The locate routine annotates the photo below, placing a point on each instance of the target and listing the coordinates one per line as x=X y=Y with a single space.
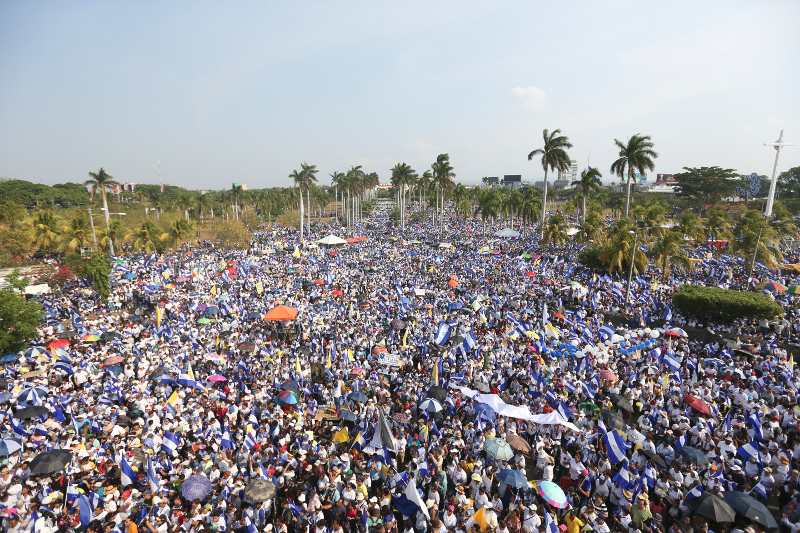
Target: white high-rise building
x=566 y=177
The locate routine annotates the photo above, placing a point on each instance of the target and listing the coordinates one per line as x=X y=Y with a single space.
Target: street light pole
x=630 y=269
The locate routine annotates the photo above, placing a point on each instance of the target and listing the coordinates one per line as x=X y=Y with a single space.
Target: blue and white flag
x=760 y=489
x=695 y=492
x=616 y=446
x=756 y=421
x=128 y=476
x=170 y=443
x=549 y=524
x=226 y=441
x=750 y=450
x=623 y=477
x=152 y=477
x=443 y=333
x=605 y=332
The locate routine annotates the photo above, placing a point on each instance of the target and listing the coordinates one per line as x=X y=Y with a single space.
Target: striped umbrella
x=499 y=449
x=430 y=405
x=287 y=397
x=770 y=286
x=552 y=494
x=794 y=289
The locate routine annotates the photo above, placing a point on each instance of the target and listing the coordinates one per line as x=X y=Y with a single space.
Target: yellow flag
x=159 y=314
x=478 y=518
x=213 y=289
x=435 y=374
x=329 y=365
x=297 y=365
x=341 y=436
x=259 y=287
x=405 y=336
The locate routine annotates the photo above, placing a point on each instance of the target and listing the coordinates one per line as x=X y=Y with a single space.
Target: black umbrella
x=713 y=507
x=108 y=335
x=30 y=412
x=260 y=490
x=613 y=420
x=693 y=455
x=657 y=459
x=437 y=393
x=350 y=416
x=749 y=507
x=134 y=318
x=157 y=373
x=621 y=401
x=291 y=386
x=226 y=333
x=70 y=334
x=398 y=324
x=50 y=461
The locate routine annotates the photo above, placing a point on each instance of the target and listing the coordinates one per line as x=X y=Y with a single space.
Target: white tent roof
x=331 y=239
x=506 y=232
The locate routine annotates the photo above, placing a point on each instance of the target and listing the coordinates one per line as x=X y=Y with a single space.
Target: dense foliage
x=36 y=194
x=724 y=303
x=94 y=268
x=19 y=317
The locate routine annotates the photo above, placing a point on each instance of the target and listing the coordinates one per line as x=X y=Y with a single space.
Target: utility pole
x=91 y=221
x=779 y=144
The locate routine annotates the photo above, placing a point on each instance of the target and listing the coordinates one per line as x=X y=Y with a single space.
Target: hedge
x=725 y=304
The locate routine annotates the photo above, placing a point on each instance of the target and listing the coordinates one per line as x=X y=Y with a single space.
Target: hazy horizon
x=245 y=91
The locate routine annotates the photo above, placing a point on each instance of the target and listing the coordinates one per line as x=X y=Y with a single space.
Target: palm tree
x=298 y=179
x=309 y=177
x=204 y=203
x=591 y=230
x=555 y=231
x=104 y=182
x=178 y=231
x=669 y=251
x=689 y=224
x=637 y=154
x=74 y=234
x=144 y=237
x=402 y=177
x=186 y=201
x=423 y=183
x=111 y=234
x=528 y=207
x=488 y=205
x=617 y=251
x=554 y=157
x=751 y=225
x=589 y=182
x=442 y=179
x=43 y=224
x=336 y=179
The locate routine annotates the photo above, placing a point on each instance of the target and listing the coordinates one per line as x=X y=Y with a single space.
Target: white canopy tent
x=331 y=240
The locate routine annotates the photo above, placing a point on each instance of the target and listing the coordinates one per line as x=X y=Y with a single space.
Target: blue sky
x=238 y=91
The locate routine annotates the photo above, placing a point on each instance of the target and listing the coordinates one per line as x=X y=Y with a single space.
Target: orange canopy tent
x=281 y=312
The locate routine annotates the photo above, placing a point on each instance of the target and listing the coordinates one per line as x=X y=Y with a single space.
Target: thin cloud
x=530 y=98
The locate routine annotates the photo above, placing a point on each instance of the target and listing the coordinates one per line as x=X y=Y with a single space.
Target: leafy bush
x=725 y=304
x=589 y=257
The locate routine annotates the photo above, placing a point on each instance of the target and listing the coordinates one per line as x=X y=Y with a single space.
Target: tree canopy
x=705 y=185
x=31 y=194
x=19 y=317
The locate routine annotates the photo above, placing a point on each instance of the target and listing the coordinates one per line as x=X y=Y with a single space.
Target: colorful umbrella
x=337 y=293
x=90 y=338
x=217 y=377
x=196 y=487
x=608 y=375
x=287 y=397
x=794 y=289
x=770 y=286
x=552 y=494
x=518 y=443
x=59 y=343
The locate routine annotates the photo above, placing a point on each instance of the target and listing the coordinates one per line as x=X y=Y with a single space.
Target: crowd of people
x=409 y=380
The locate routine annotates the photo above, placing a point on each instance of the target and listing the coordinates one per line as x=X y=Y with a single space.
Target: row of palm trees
x=49 y=234
x=636 y=154
x=439 y=180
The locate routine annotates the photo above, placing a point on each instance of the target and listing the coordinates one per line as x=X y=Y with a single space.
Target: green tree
x=442 y=179
x=103 y=182
x=96 y=269
x=403 y=177
x=11 y=211
x=528 y=207
x=617 y=251
x=19 y=317
x=636 y=154
x=44 y=225
x=669 y=251
x=690 y=225
x=589 y=183
x=753 y=230
x=554 y=157
x=718 y=224
x=112 y=234
x=705 y=185
x=74 y=235
x=488 y=206
x=179 y=231
x=144 y=237
x=788 y=183
x=555 y=231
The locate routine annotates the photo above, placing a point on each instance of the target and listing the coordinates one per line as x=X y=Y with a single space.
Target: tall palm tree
x=423 y=183
x=44 y=224
x=144 y=237
x=669 y=251
x=104 y=182
x=402 y=177
x=204 y=203
x=589 y=182
x=442 y=179
x=636 y=154
x=689 y=224
x=336 y=179
x=488 y=205
x=619 y=248
x=74 y=234
x=298 y=179
x=554 y=157
x=591 y=229
x=186 y=200
x=310 y=177
x=528 y=207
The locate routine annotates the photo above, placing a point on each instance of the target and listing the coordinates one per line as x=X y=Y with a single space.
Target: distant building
x=512 y=180
x=666 y=179
x=568 y=176
x=562 y=184
x=242 y=186
x=492 y=181
x=124 y=187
